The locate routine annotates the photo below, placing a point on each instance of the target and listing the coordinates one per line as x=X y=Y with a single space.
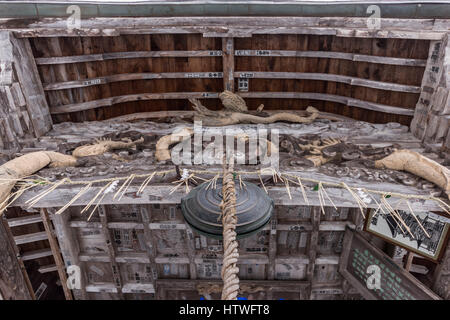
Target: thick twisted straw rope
x=229 y=221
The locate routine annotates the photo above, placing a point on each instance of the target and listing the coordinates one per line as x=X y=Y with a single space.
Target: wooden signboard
x=430 y=245
x=356 y=266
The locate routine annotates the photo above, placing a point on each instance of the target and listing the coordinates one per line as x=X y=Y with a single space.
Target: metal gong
x=201 y=209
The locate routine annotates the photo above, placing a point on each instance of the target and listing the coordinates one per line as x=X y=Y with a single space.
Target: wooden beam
x=191 y=253
x=313 y=246
x=231 y=31
x=228 y=63
x=229 y=80
x=24 y=220
x=159 y=193
x=36 y=254
x=354 y=81
x=59 y=263
x=14 y=281
x=127 y=55
x=150 y=241
x=409 y=260
x=139 y=257
x=118 y=282
x=330 y=97
x=70 y=250
x=31 y=237
x=214 y=95
x=237 y=53
x=272 y=246
x=430 y=82
x=106 y=102
x=30 y=82
x=332 y=55
x=232 y=26
x=280 y=286
x=130 y=77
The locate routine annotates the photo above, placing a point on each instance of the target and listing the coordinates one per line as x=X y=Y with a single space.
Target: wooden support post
x=441 y=276
x=228 y=64
x=272 y=247
x=28 y=76
x=14 y=281
x=70 y=250
x=313 y=244
x=191 y=253
x=56 y=253
x=430 y=122
x=150 y=242
x=111 y=252
x=409 y=260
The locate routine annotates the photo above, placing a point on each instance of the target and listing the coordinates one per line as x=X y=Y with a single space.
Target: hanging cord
x=230 y=270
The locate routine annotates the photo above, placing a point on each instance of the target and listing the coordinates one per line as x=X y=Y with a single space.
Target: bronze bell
x=201 y=209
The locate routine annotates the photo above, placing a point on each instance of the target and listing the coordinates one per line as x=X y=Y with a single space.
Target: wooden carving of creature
x=235 y=112
x=103 y=146
x=419 y=165
x=316 y=150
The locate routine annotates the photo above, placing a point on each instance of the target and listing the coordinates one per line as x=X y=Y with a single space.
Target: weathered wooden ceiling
x=96 y=78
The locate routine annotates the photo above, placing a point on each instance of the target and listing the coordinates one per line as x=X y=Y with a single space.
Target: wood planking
x=33 y=92
x=330 y=55
x=14 y=281
x=28 y=113
x=232 y=26
x=141 y=76
x=158 y=64
x=316 y=46
x=142 y=54
x=241 y=53
x=228 y=64
x=339 y=67
x=329 y=77
x=151 y=244
x=118 y=281
x=431 y=120
x=70 y=249
x=59 y=263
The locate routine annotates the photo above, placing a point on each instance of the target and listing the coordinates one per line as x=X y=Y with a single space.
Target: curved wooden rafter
x=130 y=77
x=214 y=95
x=354 y=81
x=242 y=53
x=332 y=55
x=127 y=55
x=332 y=98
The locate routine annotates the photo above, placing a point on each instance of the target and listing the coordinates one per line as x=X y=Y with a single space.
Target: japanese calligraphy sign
x=375 y=275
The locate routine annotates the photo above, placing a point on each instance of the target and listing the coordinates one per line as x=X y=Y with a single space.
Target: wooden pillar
x=441 y=277
x=150 y=242
x=432 y=114
x=14 y=281
x=272 y=247
x=118 y=282
x=228 y=64
x=313 y=245
x=56 y=253
x=24 y=113
x=70 y=250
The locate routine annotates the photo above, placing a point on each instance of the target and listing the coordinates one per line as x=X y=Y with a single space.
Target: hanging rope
x=230 y=245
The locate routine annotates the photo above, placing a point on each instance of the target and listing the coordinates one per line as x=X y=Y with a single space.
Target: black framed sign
x=361 y=261
x=427 y=236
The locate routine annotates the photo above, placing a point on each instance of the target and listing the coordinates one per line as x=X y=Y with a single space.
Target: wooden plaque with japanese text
x=395 y=282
